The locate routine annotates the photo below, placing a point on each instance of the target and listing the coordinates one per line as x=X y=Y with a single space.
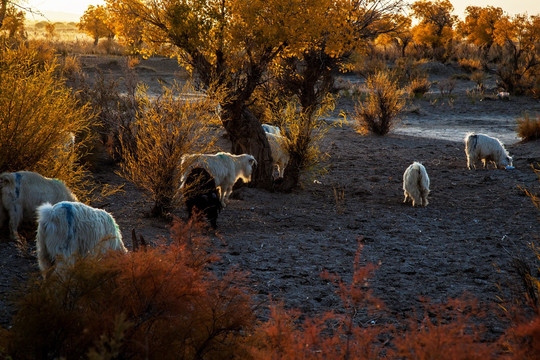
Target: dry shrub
x=418 y=87
x=37 y=114
x=304 y=133
x=165 y=129
x=114 y=103
x=384 y=104
x=528 y=128
x=522 y=339
x=447 y=86
x=447 y=331
x=479 y=77
x=470 y=65
x=367 y=65
x=331 y=335
x=161 y=303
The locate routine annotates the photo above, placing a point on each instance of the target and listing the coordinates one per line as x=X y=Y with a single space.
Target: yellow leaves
x=436 y=22
x=479 y=24
x=94 y=22
x=520 y=29
x=166 y=128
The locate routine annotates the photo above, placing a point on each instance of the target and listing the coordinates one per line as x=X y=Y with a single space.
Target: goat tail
x=45 y=213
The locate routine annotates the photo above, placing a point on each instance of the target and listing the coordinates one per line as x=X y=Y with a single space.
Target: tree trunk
x=291 y=176
x=247 y=137
x=3 y=9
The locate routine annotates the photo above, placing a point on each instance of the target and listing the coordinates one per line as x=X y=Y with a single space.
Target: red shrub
x=329 y=336
x=447 y=331
x=157 y=304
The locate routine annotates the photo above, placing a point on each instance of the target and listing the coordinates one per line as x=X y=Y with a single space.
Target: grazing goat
x=69 y=228
x=271 y=129
x=225 y=168
x=279 y=155
x=504 y=95
x=486 y=148
x=22 y=192
x=416 y=184
x=200 y=194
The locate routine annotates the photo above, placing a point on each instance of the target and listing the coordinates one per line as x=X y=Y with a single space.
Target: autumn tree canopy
x=519 y=37
x=479 y=25
x=400 y=35
x=13 y=21
x=94 y=23
x=308 y=76
x=230 y=44
x=435 y=28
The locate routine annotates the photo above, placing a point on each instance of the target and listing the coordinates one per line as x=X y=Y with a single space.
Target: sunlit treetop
x=436 y=22
x=233 y=31
x=94 y=22
x=521 y=30
x=479 y=24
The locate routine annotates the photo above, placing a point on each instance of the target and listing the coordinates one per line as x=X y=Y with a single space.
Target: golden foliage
x=418 y=87
x=166 y=128
x=528 y=128
x=384 y=103
x=479 y=24
x=519 y=37
x=94 y=22
x=436 y=22
x=305 y=133
x=13 y=22
x=470 y=65
x=38 y=114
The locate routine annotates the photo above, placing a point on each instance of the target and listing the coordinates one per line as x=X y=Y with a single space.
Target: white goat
x=22 y=192
x=224 y=167
x=485 y=148
x=271 y=129
x=416 y=184
x=280 y=156
x=69 y=228
x=504 y=95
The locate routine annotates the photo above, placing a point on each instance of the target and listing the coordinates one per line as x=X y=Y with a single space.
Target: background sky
x=73 y=9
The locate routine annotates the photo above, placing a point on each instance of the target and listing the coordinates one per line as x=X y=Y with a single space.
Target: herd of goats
x=67 y=227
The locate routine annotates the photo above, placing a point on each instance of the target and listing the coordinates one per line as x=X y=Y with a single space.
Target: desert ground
x=463 y=242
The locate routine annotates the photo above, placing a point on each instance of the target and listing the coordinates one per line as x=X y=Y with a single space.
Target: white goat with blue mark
x=69 y=228
x=22 y=192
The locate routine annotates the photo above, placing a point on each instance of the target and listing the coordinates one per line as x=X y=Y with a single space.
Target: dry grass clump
x=528 y=128
x=479 y=77
x=37 y=114
x=165 y=129
x=470 y=65
x=384 y=103
x=418 y=87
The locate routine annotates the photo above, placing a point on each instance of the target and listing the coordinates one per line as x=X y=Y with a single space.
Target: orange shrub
x=157 y=304
x=418 y=87
x=449 y=333
x=329 y=336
